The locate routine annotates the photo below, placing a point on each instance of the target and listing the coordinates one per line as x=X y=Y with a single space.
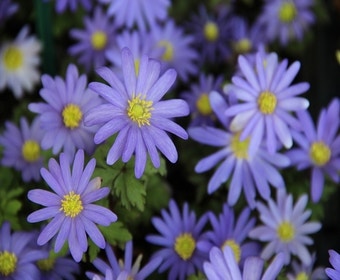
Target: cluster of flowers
x=134 y=50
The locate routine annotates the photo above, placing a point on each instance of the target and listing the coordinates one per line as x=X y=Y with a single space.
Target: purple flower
x=228 y=230
x=223 y=266
x=61 y=115
x=179 y=235
x=267 y=101
x=285 y=20
x=7 y=9
x=71 y=206
x=124 y=270
x=178 y=50
x=284 y=227
x=334 y=271
x=246 y=171
x=17 y=257
x=319 y=147
x=62 y=5
x=94 y=40
x=143 y=13
x=21 y=148
x=135 y=110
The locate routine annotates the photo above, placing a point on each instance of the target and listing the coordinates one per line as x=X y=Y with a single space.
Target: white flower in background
x=19 y=61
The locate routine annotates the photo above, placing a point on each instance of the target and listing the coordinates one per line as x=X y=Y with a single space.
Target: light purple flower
x=318 y=147
x=7 y=9
x=22 y=149
x=135 y=111
x=93 y=41
x=266 y=101
x=70 y=206
x=284 y=227
x=334 y=271
x=61 y=115
x=223 y=266
x=179 y=235
x=62 y=5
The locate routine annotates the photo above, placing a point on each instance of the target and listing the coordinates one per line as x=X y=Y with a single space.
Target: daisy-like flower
x=223 y=266
x=267 y=100
x=198 y=99
x=61 y=115
x=21 y=148
x=179 y=235
x=19 y=61
x=246 y=171
x=71 y=206
x=97 y=37
x=319 y=147
x=178 y=50
x=7 y=9
x=62 y=5
x=135 y=110
x=285 y=20
x=142 y=13
x=17 y=257
x=124 y=270
x=284 y=227
x=334 y=271
x=228 y=230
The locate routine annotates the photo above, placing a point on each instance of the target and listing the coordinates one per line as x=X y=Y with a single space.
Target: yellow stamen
x=302 y=276
x=30 y=151
x=71 y=204
x=203 y=105
x=235 y=247
x=168 y=54
x=240 y=148
x=267 y=102
x=13 y=58
x=211 y=31
x=319 y=153
x=98 y=40
x=286 y=231
x=242 y=46
x=8 y=263
x=287 y=12
x=139 y=110
x=72 y=116
x=185 y=245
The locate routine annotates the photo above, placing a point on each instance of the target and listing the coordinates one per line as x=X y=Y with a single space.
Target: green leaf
x=115 y=233
x=93 y=251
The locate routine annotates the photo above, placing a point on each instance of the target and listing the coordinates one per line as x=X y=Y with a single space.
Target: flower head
x=7 y=9
x=22 y=148
x=70 y=206
x=19 y=61
x=267 y=100
x=17 y=255
x=62 y=5
x=318 y=147
x=285 y=228
x=134 y=109
x=334 y=271
x=61 y=115
x=179 y=235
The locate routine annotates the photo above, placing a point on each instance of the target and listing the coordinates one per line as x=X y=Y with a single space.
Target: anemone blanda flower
x=318 y=147
x=17 y=255
x=62 y=5
x=246 y=171
x=178 y=49
x=179 y=234
x=135 y=110
x=61 y=115
x=142 y=13
x=222 y=265
x=229 y=230
x=93 y=41
x=285 y=20
x=211 y=31
x=21 y=148
x=70 y=206
x=7 y=9
x=334 y=271
x=19 y=61
x=267 y=100
x=126 y=269
x=285 y=228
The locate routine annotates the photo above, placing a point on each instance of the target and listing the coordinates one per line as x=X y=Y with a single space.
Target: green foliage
x=116 y=233
x=10 y=204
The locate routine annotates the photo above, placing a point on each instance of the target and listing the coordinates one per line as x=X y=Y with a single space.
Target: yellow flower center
x=72 y=115
x=211 y=31
x=319 y=153
x=302 y=276
x=46 y=264
x=71 y=204
x=267 y=102
x=286 y=231
x=242 y=46
x=13 y=58
x=8 y=263
x=139 y=110
x=168 y=54
x=287 y=12
x=203 y=105
x=98 y=40
x=235 y=247
x=185 y=245
x=30 y=151
x=239 y=148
